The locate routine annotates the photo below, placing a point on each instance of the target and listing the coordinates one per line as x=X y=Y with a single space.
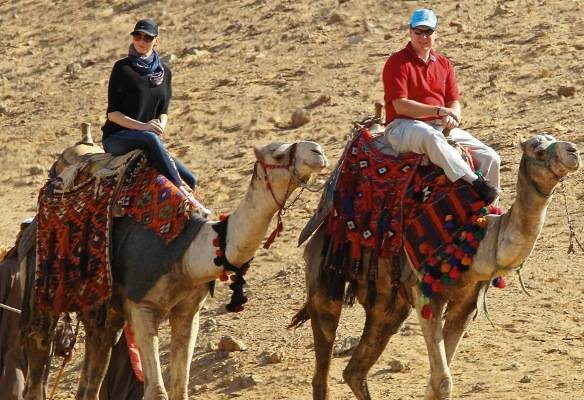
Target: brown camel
x=509 y=240
x=179 y=295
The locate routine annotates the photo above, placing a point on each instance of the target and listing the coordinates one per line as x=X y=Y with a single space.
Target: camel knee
x=354 y=378
x=155 y=393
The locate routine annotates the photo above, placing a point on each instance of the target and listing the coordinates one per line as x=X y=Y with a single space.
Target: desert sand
x=240 y=70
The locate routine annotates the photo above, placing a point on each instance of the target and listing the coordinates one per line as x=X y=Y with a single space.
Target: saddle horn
x=86 y=137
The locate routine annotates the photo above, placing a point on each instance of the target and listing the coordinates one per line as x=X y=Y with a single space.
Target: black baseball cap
x=147 y=26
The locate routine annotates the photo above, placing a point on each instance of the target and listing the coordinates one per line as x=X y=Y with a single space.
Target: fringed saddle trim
x=238 y=297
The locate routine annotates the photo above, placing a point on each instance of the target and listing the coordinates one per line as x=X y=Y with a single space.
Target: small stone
x=210 y=325
x=247 y=380
x=335 y=18
x=299 y=117
x=275 y=357
x=73 y=68
x=229 y=343
x=36 y=170
x=346 y=345
x=396 y=365
x=526 y=379
x=566 y=91
x=322 y=99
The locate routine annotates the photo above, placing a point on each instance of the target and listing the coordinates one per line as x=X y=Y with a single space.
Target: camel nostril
x=316 y=151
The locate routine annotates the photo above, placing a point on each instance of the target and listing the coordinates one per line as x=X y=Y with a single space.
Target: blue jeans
x=123 y=142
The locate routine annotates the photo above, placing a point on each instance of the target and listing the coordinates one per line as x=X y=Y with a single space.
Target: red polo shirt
x=406 y=76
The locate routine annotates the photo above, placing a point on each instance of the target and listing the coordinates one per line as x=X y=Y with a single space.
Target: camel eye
x=278 y=156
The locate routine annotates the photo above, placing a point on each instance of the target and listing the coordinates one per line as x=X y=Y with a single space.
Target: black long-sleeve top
x=132 y=94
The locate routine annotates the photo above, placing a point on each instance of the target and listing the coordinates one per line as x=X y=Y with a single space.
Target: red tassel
x=427 y=312
x=135 y=360
x=223 y=217
x=216 y=242
x=223 y=277
x=274 y=235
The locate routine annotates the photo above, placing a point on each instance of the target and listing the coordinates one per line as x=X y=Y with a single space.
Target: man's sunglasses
x=420 y=32
x=142 y=36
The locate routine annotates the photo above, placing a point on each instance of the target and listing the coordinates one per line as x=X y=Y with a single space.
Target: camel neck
x=522 y=224
x=249 y=223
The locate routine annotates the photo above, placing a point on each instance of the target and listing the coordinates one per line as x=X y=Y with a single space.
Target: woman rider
x=137 y=113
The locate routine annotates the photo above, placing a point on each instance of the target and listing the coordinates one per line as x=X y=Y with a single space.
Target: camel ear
x=258 y=154
x=522 y=142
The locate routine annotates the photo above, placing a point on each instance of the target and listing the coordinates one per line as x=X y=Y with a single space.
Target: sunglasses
x=142 y=36
x=420 y=32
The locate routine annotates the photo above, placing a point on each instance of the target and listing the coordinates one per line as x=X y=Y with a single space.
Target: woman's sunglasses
x=142 y=36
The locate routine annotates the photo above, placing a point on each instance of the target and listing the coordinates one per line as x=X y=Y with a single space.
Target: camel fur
x=179 y=294
x=509 y=240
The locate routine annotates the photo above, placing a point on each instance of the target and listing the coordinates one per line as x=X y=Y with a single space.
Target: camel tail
x=300 y=318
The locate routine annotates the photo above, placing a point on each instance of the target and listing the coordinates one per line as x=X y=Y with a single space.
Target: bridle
x=549 y=152
x=282 y=207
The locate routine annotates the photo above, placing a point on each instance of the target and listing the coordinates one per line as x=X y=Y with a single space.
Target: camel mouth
x=573 y=161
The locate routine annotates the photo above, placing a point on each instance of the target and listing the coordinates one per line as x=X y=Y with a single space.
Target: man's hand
x=450 y=117
x=155 y=126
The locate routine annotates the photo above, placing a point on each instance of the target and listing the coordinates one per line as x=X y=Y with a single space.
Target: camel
x=179 y=295
x=509 y=240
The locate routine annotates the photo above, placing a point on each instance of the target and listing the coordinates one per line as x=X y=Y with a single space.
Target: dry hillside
x=240 y=70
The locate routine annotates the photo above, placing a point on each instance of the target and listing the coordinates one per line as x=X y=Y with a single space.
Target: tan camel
x=180 y=293
x=509 y=240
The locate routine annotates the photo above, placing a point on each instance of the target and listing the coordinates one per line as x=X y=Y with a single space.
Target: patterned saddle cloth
x=386 y=203
x=73 y=271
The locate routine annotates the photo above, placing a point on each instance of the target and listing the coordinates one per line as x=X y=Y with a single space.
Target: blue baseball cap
x=424 y=17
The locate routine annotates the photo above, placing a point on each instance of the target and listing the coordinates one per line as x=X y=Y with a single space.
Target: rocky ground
x=241 y=70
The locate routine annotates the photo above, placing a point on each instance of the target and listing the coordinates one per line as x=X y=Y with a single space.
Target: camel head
x=287 y=166
x=547 y=161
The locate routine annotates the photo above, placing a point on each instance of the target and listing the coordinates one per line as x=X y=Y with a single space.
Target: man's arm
x=415 y=109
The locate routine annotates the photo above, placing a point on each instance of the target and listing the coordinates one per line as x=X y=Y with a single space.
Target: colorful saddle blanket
x=386 y=203
x=73 y=270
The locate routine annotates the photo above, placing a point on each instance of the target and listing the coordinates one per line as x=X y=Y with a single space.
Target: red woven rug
x=387 y=203
x=73 y=236
x=73 y=271
x=153 y=201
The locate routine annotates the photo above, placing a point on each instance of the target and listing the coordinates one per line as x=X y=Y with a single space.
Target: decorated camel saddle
x=382 y=202
x=85 y=190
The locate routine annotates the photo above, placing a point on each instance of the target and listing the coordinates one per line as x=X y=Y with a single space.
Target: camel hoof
x=444 y=390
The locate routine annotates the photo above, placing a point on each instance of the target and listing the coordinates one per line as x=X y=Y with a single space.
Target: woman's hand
x=155 y=126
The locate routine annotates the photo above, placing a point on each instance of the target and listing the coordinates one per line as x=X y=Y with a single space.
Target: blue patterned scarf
x=150 y=65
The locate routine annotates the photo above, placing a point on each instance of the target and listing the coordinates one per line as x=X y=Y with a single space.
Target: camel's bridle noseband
x=549 y=152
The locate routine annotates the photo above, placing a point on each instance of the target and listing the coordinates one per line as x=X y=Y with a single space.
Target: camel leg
x=184 y=323
x=380 y=325
x=145 y=322
x=37 y=346
x=99 y=341
x=458 y=317
x=324 y=317
x=440 y=384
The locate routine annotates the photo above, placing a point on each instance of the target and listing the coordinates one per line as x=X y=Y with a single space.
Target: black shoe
x=488 y=192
